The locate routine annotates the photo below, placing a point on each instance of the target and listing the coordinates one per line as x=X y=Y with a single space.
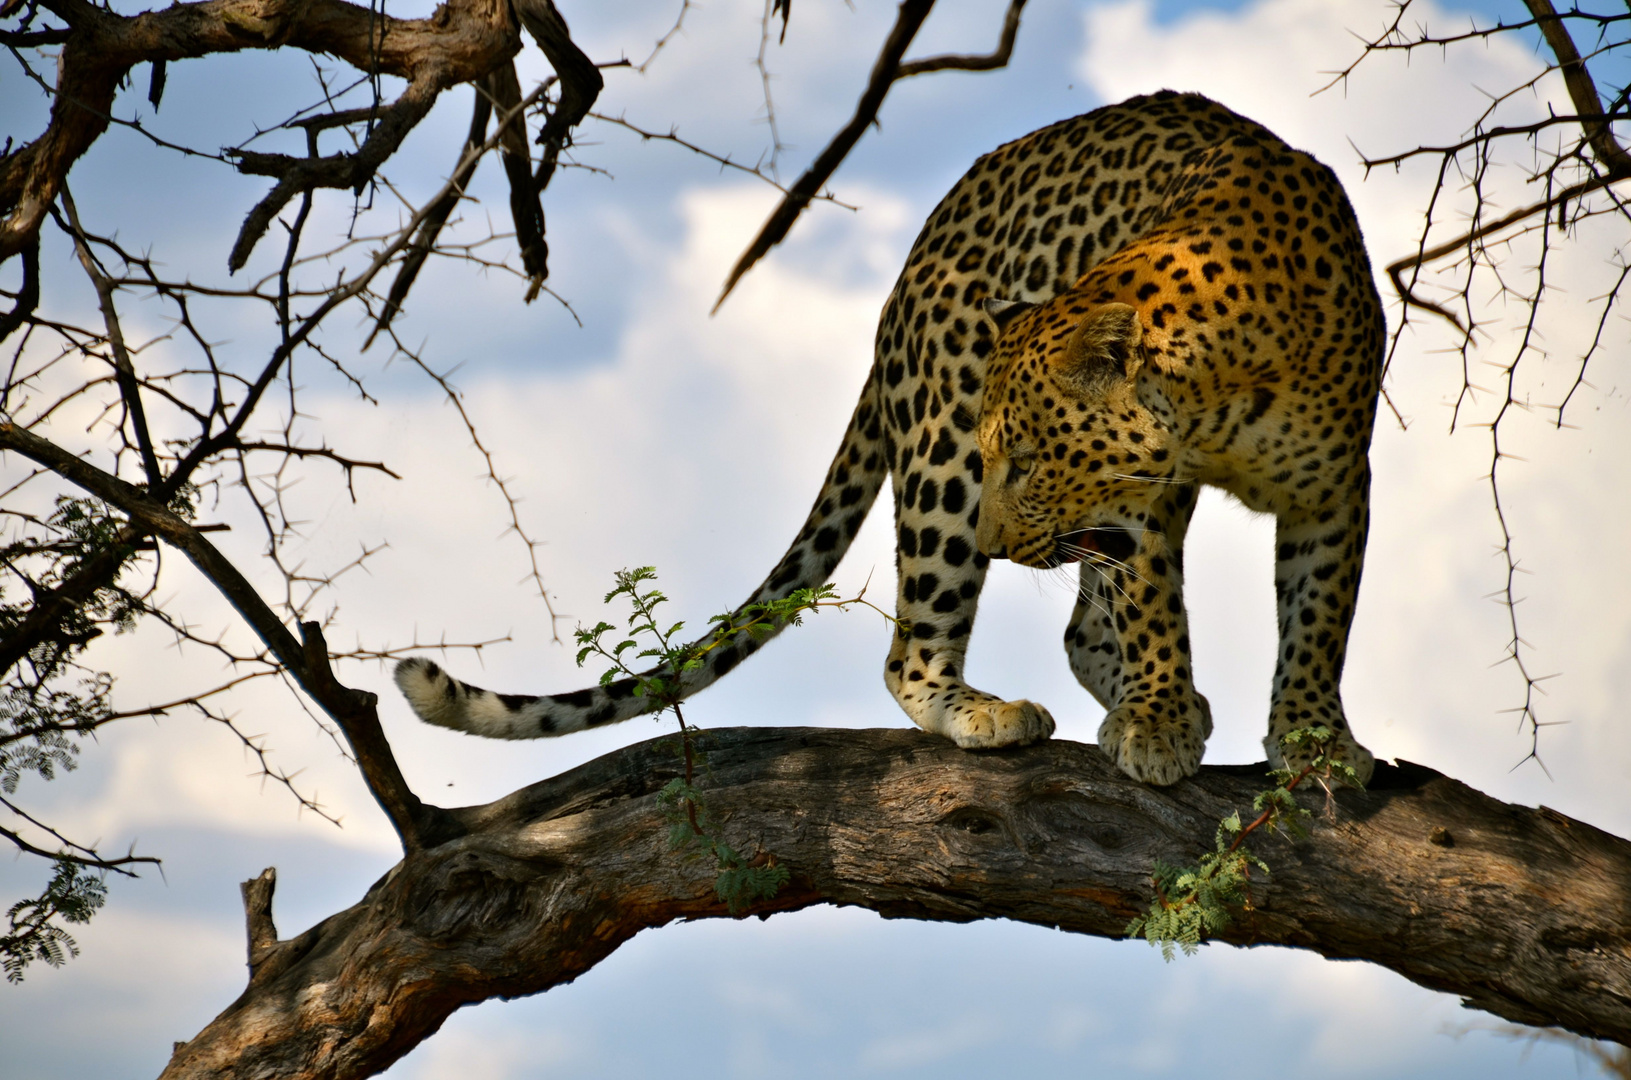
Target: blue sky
x=653 y=434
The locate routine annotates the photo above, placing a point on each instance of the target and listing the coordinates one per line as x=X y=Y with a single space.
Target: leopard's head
x=1067 y=443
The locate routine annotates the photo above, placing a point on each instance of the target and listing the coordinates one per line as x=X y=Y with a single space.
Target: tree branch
x=989 y=62
x=257 y=894
x=1425 y=255
x=438 y=212
x=28 y=295
x=886 y=71
x=1520 y=911
x=462 y=41
x=526 y=208
x=44 y=619
x=1582 y=90
x=581 y=84
x=307 y=659
x=124 y=370
x=297 y=176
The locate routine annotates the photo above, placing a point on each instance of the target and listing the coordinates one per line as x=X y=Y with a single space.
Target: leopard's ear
x=1104 y=348
x=1003 y=312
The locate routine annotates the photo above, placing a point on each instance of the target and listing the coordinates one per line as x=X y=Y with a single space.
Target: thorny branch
x=662 y=42
x=1578 y=162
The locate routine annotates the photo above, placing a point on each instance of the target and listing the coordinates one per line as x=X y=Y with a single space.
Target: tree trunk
x=1522 y=912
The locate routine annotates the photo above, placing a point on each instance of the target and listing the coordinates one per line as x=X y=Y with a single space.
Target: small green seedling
x=739 y=881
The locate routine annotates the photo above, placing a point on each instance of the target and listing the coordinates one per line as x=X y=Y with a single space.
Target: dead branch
x=679 y=24
x=989 y=62
x=581 y=83
x=298 y=176
x=262 y=931
x=124 y=371
x=348 y=464
x=512 y=504
x=526 y=208
x=1610 y=163
x=1478 y=234
x=886 y=71
x=1520 y=911
x=28 y=296
x=69 y=851
x=463 y=41
x=438 y=213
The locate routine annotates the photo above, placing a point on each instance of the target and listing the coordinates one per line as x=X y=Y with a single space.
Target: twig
x=724 y=161
x=679 y=24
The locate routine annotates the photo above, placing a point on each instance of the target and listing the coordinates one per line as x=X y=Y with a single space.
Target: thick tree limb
x=1522 y=912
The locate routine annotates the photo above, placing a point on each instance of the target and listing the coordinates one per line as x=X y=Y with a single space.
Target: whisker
x=1059 y=577
x=1154 y=479
x=1092 y=600
x=1097 y=561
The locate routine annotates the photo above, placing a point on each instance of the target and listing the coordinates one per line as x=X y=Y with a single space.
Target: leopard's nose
x=988 y=536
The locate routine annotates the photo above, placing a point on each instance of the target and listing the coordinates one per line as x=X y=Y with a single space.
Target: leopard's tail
x=853 y=481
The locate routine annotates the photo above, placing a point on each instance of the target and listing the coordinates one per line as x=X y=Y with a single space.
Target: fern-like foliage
x=72 y=896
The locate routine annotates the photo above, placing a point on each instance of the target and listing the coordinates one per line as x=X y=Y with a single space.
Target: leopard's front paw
x=1157 y=743
x=997 y=724
x=1340 y=747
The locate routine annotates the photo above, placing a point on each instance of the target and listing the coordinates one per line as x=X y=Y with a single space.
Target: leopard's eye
x=1019 y=465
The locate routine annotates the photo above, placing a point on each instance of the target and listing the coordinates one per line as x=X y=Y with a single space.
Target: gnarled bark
x=1522 y=912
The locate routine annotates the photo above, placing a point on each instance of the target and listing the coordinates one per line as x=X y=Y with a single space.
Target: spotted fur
x=1197 y=286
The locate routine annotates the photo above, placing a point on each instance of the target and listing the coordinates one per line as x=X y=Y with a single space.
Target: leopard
x=1098 y=319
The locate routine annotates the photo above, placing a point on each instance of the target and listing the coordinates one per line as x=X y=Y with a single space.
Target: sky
x=654 y=434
